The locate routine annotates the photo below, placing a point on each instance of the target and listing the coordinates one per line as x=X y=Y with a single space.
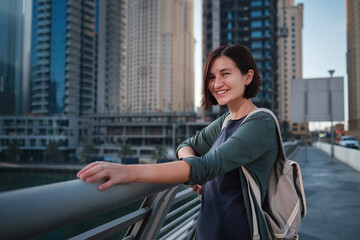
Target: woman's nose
x=218 y=82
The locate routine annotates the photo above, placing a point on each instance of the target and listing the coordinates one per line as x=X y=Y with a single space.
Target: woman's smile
x=221 y=92
x=226 y=82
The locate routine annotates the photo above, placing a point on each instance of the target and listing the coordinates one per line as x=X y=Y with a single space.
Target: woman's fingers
x=87 y=168
x=95 y=174
x=113 y=172
x=91 y=169
x=197 y=188
x=106 y=185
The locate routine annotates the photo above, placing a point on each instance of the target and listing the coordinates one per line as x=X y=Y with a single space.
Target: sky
x=323 y=41
x=324 y=44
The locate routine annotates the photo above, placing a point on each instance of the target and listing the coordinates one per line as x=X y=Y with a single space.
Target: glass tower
x=111 y=56
x=253 y=24
x=63 y=57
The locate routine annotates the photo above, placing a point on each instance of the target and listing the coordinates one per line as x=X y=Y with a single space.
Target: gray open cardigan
x=253 y=145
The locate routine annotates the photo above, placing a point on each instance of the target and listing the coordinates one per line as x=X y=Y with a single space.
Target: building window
x=256 y=34
x=256 y=44
x=256 y=3
x=229 y=26
x=255 y=24
x=267 y=23
x=229 y=15
x=256 y=13
x=257 y=54
x=229 y=36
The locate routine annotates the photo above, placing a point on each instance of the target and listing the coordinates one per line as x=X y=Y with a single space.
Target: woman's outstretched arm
x=172 y=172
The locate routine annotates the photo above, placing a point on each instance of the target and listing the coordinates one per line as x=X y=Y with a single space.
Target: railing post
x=160 y=204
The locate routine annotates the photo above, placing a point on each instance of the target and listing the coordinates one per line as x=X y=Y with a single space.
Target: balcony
x=71 y=68
x=43 y=46
x=74 y=3
x=74 y=20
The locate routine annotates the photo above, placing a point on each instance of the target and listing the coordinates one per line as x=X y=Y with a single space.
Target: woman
x=211 y=160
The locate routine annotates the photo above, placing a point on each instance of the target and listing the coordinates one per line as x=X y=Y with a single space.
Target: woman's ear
x=249 y=76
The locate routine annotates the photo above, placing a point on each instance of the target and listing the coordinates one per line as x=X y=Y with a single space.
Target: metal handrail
x=53 y=206
x=56 y=205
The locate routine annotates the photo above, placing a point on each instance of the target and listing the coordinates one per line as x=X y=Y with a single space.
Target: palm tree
x=52 y=151
x=159 y=152
x=13 y=152
x=125 y=150
x=88 y=150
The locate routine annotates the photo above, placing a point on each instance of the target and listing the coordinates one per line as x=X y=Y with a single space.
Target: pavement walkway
x=332 y=192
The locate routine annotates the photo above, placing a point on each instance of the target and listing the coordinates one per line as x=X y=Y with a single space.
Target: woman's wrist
x=131 y=172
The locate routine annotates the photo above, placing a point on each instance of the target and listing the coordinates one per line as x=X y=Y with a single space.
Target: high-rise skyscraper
x=63 y=57
x=15 y=20
x=289 y=53
x=160 y=46
x=95 y=56
x=253 y=24
x=111 y=56
x=353 y=61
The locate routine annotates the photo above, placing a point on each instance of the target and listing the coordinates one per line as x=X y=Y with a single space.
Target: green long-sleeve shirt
x=253 y=145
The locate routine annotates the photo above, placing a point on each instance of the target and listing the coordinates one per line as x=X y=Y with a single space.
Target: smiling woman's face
x=226 y=82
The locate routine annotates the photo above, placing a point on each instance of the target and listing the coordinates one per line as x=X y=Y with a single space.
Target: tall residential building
x=253 y=24
x=111 y=56
x=63 y=57
x=353 y=62
x=160 y=48
x=290 y=23
x=15 y=20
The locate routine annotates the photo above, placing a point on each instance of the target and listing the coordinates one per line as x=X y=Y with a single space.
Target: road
x=332 y=192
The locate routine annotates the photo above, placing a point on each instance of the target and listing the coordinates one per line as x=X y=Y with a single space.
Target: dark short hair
x=244 y=61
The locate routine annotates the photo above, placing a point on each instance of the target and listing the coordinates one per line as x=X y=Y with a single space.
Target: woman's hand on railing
x=198 y=189
x=115 y=173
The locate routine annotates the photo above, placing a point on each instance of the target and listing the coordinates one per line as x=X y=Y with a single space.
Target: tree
x=88 y=150
x=125 y=151
x=52 y=151
x=159 y=152
x=13 y=152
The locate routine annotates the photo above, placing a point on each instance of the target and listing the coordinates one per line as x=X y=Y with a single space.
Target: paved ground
x=332 y=192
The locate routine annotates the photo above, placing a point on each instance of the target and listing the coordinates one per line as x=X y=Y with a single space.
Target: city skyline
x=318 y=18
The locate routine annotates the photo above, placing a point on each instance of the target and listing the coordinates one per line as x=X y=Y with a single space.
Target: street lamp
x=331 y=71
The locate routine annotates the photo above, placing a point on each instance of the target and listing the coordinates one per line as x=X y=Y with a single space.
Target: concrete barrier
x=348 y=156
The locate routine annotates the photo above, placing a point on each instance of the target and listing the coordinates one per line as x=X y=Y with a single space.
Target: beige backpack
x=285 y=199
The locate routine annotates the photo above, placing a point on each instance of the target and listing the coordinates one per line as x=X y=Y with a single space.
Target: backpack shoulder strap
x=250 y=180
x=281 y=146
x=227 y=118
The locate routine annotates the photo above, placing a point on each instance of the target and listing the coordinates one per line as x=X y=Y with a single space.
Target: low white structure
x=348 y=156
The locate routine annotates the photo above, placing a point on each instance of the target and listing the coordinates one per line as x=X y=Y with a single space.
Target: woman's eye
x=211 y=77
x=226 y=73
